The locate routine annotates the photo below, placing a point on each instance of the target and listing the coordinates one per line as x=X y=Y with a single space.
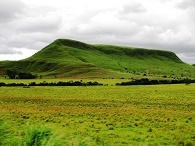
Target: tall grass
x=39 y=136
x=4 y=132
x=7 y=135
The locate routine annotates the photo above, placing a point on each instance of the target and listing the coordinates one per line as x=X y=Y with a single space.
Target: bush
x=41 y=136
x=37 y=136
x=13 y=74
x=7 y=135
x=146 y=81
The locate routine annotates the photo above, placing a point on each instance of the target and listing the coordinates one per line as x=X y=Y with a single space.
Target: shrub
x=187 y=81
x=36 y=136
x=41 y=136
x=6 y=134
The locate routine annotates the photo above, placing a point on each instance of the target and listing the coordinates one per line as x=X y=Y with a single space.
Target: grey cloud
x=38 y=19
x=190 y=55
x=187 y=57
x=163 y=1
x=5 y=50
x=9 y=9
x=186 y=4
x=46 y=24
x=132 y=8
x=33 y=41
x=33 y=29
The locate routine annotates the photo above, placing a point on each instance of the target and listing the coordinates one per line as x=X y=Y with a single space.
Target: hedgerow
x=60 y=83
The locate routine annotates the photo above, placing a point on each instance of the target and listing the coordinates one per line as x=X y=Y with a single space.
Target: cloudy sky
x=29 y=25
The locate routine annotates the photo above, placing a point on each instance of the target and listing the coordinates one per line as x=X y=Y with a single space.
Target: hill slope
x=69 y=58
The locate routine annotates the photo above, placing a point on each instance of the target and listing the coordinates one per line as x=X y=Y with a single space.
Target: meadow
x=99 y=115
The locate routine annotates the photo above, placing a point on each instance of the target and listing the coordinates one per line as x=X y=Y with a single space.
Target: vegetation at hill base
x=143 y=81
x=12 y=74
x=60 y=83
x=74 y=59
x=146 y=81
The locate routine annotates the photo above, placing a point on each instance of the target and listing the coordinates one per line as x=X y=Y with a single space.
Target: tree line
x=146 y=81
x=13 y=74
x=60 y=83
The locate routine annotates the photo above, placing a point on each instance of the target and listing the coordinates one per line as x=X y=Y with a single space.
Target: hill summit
x=75 y=59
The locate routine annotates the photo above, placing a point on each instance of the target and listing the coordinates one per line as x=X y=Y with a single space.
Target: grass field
x=102 y=115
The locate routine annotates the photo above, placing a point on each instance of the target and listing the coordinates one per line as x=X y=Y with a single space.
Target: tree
x=11 y=73
x=19 y=75
x=187 y=81
x=26 y=76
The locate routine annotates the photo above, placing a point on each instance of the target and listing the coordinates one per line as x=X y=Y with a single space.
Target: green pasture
x=100 y=115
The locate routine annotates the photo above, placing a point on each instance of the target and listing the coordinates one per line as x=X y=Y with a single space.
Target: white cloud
x=106 y=23
x=21 y=54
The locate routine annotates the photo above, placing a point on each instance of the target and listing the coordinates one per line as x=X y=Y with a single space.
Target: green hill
x=69 y=58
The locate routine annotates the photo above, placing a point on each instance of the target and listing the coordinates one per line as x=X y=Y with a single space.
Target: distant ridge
x=75 y=59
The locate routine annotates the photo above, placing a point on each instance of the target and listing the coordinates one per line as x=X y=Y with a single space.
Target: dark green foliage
x=37 y=136
x=26 y=76
x=11 y=73
x=74 y=44
x=188 y=81
x=19 y=75
x=146 y=81
x=2 y=84
x=138 y=52
x=4 y=132
x=60 y=83
x=7 y=137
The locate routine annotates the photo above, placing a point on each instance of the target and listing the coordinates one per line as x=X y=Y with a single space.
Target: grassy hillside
x=69 y=58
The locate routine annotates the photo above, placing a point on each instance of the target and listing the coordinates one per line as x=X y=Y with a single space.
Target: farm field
x=102 y=115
